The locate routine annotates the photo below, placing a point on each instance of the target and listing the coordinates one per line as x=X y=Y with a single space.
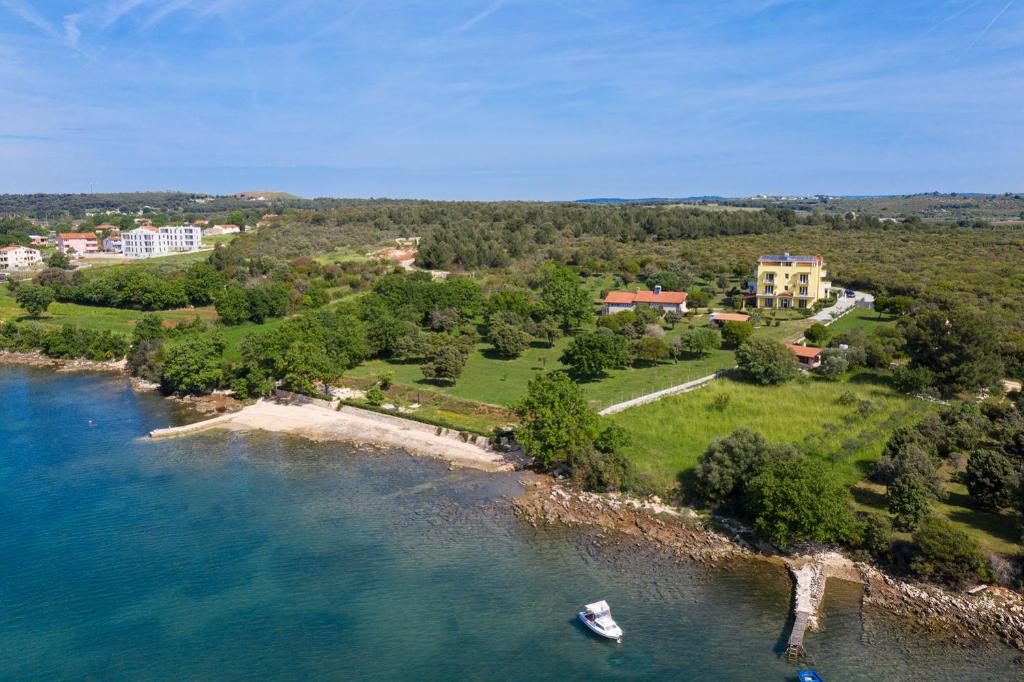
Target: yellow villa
x=791 y=281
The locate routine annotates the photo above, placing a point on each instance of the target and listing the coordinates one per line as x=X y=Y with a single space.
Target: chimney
x=657 y=289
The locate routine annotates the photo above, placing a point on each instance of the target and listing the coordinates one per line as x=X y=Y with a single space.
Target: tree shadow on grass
x=999 y=526
x=869 y=498
x=870 y=379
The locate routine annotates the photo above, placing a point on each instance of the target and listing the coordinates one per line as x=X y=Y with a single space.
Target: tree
x=590 y=354
x=445 y=363
x=202 y=283
x=992 y=480
x=833 y=364
x=33 y=298
x=700 y=340
x=563 y=298
x=728 y=464
x=735 y=333
x=546 y=330
x=796 y=499
x=909 y=501
x=507 y=337
x=894 y=305
x=304 y=365
x=944 y=554
x=673 y=317
x=767 y=361
x=817 y=334
x=909 y=453
x=58 y=259
x=959 y=346
x=875 y=534
x=698 y=298
x=649 y=350
x=232 y=306
x=194 y=364
x=554 y=419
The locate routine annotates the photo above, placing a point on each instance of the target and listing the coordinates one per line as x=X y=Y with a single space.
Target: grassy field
x=94 y=317
x=994 y=532
x=863 y=318
x=669 y=435
x=490 y=379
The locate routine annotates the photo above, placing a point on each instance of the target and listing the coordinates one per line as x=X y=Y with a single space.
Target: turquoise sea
x=257 y=557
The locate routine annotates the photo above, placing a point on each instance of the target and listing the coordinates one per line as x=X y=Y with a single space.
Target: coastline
x=958 y=618
x=319 y=422
x=37 y=359
x=961 y=619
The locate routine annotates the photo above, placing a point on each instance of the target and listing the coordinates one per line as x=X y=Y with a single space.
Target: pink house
x=78 y=243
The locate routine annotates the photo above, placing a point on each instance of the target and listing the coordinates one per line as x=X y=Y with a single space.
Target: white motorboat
x=598 y=617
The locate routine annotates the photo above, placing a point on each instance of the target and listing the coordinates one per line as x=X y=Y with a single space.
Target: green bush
x=944 y=554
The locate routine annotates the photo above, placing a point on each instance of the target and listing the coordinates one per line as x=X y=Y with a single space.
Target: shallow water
x=233 y=556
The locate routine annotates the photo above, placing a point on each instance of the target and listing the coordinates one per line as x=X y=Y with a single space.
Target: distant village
x=112 y=242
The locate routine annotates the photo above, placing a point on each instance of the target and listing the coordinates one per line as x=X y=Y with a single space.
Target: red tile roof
x=731 y=317
x=77 y=235
x=622 y=297
x=12 y=247
x=664 y=297
x=804 y=351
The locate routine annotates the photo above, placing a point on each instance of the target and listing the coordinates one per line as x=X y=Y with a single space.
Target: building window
x=801 y=304
x=768 y=303
x=770 y=278
x=803 y=291
x=769 y=289
x=803 y=279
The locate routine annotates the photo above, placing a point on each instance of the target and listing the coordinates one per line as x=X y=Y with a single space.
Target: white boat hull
x=614 y=632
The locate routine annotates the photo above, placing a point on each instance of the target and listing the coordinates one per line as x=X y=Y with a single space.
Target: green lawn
x=94 y=317
x=861 y=318
x=669 y=435
x=994 y=532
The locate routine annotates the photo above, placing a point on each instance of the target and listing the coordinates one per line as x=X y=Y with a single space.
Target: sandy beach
x=351 y=425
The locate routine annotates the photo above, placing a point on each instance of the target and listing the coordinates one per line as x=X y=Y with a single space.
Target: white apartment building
x=146 y=242
x=15 y=257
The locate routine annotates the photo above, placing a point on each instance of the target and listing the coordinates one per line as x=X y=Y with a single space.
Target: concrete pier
x=811 y=574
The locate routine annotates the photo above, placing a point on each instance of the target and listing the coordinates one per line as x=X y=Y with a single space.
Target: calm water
x=242 y=557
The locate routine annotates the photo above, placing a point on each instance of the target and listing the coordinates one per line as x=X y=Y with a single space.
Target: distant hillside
x=78 y=205
x=932 y=207
x=650 y=200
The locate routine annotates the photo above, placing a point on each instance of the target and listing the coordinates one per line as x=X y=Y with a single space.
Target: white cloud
x=28 y=14
x=71 y=31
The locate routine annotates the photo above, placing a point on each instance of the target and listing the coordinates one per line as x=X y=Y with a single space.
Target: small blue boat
x=809 y=676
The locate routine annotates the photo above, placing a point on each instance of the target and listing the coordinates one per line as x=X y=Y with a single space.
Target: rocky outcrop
x=680 y=532
x=960 y=617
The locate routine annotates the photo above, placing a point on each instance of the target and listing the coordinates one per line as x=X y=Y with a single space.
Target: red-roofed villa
x=617 y=301
x=809 y=357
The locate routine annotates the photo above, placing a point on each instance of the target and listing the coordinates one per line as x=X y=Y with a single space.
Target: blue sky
x=487 y=99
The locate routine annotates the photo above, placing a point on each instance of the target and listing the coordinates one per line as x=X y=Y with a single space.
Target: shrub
x=735 y=333
x=992 y=480
x=767 y=361
x=375 y=396
x=909 y=501
x=944 y=554
x=822 y=513
x=728 y=464
x=591 y=354
x=817 y=334
x=833 y=364
x=875 y=535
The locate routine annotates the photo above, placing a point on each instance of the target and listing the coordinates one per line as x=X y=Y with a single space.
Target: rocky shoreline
x=955 y=618
x=36 y=359
x=215 y=403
